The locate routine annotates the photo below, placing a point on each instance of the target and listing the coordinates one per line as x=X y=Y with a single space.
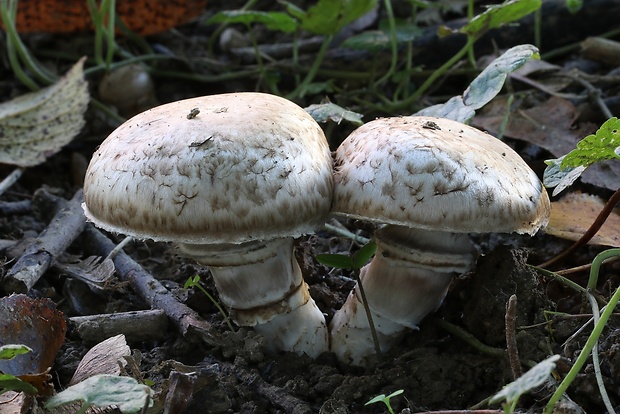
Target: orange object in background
x=144 y=17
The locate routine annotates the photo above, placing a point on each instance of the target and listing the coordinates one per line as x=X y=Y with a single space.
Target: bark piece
x=136 y=326
x=43 y=252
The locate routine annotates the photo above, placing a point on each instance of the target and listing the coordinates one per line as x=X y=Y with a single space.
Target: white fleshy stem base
x=262 y=286
x=302 y=330
x=406 y=280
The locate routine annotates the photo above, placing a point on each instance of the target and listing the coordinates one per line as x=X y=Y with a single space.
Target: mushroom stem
x=407 y=279
x=262 y=286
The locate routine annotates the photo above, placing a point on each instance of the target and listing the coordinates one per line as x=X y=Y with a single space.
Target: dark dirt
x=437 y=368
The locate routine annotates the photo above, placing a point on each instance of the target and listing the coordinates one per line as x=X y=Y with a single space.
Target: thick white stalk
x=262 y=286
x=406 y=280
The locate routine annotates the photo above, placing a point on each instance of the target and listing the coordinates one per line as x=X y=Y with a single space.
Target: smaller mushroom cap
x=436 y=174
x=227 y=168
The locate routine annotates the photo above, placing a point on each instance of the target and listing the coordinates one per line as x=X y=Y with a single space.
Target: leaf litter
x=37 y=125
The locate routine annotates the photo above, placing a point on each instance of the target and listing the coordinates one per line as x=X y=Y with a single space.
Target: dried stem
x=511 y=337
x=587 y=236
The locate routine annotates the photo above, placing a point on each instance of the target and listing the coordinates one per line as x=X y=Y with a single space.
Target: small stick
x=10 y=179
x=511 y=337
x=469 y=338
x=16 y=207
x=371 y=323
x=279 y=397
x=65 y=227
x=137 y=326
x=187 y=321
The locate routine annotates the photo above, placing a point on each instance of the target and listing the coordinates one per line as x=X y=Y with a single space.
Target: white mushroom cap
x=216 y=169
x=436 y=174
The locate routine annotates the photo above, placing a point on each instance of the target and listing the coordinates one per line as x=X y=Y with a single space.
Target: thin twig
x=43 y=252
x=342 y=231
x=119 y=247
x=587 y=236
x=10 y=179
x=373 y=331
x=188 y=322
x=511 y=337
x=469 y=338
x=593 y=92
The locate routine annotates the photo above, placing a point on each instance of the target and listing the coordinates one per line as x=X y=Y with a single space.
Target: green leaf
x=370 y=40
x=331 y=112
x=272 y=20
x=191 y=282
x=11 y=351
x=498 y=15
x=377 y=40
x=574 y=6
x=378 y=398
x=405 y=30
x=601 y=146
x=560 y=178
x=363 y=255
x=105 y=390
x=294 y=10
x=528 y=381
x=491 y=80
x=12 y=383
x=484 y=87
x=339 y=261
x=327 y=17
x=385 y=400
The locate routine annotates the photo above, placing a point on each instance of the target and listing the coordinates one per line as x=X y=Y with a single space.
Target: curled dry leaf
x=35 y=323
x=574 y=214
x=37 y=125
x=104 y=358
x=95 y=271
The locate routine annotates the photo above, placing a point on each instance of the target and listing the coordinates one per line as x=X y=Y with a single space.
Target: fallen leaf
x=535 y=377
x=37 y=125
x=35 y=323
x=104 y=390
x=550 y=126
x=573 y=215
x=484 y=87
x=328 y=111
x=103 y=358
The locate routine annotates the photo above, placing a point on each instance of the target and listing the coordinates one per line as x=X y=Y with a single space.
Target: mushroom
x=231 y=179
x=430 y=181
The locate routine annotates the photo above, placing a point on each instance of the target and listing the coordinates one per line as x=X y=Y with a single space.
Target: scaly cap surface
x=436 y=174
x=248 y=166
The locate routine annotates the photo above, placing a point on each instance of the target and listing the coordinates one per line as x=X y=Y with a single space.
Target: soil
x=437 y=367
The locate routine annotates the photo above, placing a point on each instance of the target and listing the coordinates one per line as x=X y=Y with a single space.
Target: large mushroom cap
x=216 y=169
x=436 y=174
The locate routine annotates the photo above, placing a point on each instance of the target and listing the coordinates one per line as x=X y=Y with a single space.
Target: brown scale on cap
x=451 y=177
x=247 y=167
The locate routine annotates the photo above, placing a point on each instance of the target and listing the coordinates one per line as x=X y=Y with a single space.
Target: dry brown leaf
x=37 y=125
x=35 y=323
x=573 y=214
x=103 y=358
x=550 y=126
